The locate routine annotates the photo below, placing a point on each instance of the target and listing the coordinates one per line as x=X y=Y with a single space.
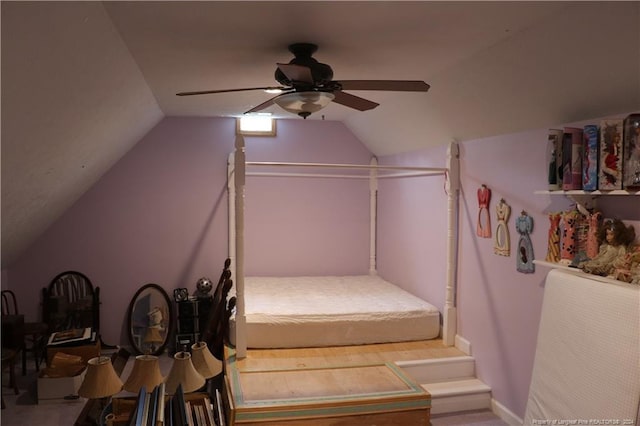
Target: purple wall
x=160 y=215
x=498 y=307
x=306 y=226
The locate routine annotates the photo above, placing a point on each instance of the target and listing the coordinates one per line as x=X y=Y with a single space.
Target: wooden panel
x=320 y=383
x=413 y=418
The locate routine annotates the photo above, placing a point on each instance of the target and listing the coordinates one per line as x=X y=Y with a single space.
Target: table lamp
x=101 y=380
x=145 y=372
x=204 y=362
x=183 y=372
x=153 y=338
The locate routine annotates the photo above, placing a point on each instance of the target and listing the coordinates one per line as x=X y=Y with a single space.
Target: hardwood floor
x=277 y=359
x=346 y=384
x=23 y=409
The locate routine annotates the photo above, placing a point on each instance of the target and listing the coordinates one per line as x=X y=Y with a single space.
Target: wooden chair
x=71 y=301
x=33 y=334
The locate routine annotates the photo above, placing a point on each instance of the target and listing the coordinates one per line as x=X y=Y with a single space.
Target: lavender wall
x=160 y=215
x=306 y=226
x=498 y=307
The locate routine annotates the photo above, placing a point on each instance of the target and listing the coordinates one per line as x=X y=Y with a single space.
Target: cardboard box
x=85 y=351
x=50 y=388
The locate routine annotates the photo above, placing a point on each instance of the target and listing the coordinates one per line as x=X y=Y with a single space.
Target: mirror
x=150 y=319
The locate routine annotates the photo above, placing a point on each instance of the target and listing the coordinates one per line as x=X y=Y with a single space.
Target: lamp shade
x=101 y=380
x=203 y=361
x=183 y=372
x=145 y=372
x=304 y=103
x=152 y=335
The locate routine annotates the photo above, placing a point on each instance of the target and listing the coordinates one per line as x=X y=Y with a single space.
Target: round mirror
x=150 y=319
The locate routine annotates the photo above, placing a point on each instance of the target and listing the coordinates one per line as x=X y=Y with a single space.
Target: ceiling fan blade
x=352 y=101
x=262 y=106
x=390 y=85
x=206 y=92
x=298 y=73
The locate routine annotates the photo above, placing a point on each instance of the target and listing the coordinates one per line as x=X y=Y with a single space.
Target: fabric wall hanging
x=553 y=245
x=501 y=242
x=483 y=228
x=524 y=259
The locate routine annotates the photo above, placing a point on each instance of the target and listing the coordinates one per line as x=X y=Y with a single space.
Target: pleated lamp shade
x=183 y=372
x=145 y=372
x=204 y=362
x=101 y=380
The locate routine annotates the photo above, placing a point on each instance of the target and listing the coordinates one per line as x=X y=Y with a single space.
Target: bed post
x=231 y=193
x=239 y=181
x=373 y=217
x=449 y=322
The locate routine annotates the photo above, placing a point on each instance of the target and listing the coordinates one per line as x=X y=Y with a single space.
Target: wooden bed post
x=231 y=193
x=449 y=320
x=239 y=181
x=373 y=217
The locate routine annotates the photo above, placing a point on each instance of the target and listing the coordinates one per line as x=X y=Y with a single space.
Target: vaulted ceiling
x=82 y=82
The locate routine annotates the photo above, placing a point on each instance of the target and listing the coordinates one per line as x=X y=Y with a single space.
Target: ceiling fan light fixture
x=304 y=103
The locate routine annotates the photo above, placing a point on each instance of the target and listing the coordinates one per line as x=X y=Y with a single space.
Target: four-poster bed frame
x=237 y=172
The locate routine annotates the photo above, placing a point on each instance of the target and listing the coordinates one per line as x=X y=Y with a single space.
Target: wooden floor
x=333 y=385
x=277 y=359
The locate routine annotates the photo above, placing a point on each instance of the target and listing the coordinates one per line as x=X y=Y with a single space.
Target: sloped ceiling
x=83 y=81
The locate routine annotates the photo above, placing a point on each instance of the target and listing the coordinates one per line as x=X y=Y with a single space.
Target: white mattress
x=587 y=361
x=288 y=312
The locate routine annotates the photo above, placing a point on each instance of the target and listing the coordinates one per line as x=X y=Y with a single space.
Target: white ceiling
x=83 y=81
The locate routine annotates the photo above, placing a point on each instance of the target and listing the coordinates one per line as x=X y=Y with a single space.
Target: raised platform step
x=458 y=395
x=440 y=369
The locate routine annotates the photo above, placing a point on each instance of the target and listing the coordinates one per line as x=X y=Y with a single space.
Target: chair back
x=71 y=301
x=9 y=303
x=12 y=322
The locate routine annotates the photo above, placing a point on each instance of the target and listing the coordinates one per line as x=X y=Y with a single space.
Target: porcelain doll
x=615 y=237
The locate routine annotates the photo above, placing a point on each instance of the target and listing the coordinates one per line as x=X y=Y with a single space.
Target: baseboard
x=505 y=414
x=463 y=344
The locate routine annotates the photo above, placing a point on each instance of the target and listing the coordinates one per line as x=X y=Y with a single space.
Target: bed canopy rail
x=236 y=178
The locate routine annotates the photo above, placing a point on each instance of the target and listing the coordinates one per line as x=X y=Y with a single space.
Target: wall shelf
x=578 y=272
x=589 y=193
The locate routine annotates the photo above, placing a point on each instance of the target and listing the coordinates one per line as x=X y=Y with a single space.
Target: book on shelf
x=71 y=337
x=572 y=158
x=610 y=174
x=590 y=158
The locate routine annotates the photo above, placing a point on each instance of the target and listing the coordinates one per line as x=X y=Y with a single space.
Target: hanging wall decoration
x=569 y=250
x=594 y=224
x=501 y=242
x=483 y=228
x=524 y=258
x=553 y=245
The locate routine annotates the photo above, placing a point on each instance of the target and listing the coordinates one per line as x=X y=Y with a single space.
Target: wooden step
x=458 y=395
x=439 y=369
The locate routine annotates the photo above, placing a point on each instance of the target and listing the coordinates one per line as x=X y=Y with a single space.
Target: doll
x=627 y=267
x=614 y=236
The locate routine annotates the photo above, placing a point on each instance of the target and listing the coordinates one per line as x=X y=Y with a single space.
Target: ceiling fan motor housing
x=321 y=73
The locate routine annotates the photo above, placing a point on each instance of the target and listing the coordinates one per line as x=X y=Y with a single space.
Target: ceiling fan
x=307 y=86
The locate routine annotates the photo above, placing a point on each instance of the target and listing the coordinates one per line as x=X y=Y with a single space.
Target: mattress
x=293 y=312
x=587 y=354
